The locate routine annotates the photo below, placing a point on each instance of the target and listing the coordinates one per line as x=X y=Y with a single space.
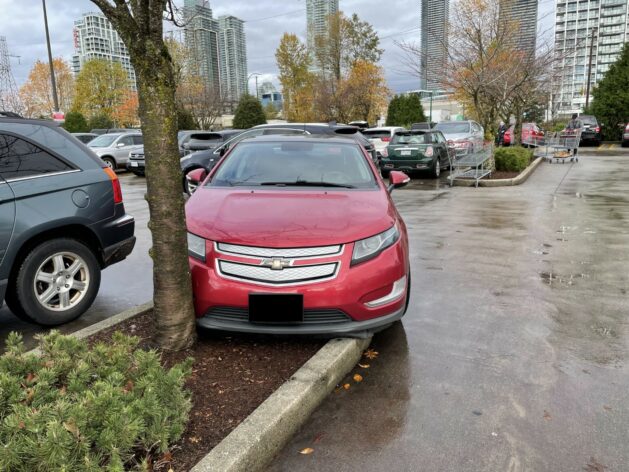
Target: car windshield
x=295 y=164
x=376 y=133
x=104 y=140
x=409 y=138
x=453 y=128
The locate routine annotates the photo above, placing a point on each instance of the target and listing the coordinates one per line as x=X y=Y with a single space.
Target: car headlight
x=196 y=247
x=369 y=248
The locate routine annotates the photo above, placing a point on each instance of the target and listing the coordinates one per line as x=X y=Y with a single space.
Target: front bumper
x=338 y=304
x=136 y=166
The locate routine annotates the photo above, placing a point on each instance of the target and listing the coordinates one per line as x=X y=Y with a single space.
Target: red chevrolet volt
x=297 y=235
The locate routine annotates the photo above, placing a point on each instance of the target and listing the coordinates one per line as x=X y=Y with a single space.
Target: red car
x=297 y=235
x=532 y=135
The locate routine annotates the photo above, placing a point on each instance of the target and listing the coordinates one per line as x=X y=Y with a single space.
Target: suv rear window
x=411 y=138
x=588 y=120
x=377 y=134
x=20 y=159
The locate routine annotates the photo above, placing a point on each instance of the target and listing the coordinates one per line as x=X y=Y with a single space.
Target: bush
x=100 y=121
x=249 y=113
x=512 y=159
x=79 y=408
x=75 y=123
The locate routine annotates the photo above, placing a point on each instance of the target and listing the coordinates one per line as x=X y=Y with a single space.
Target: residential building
x=434 y=42
x=95 y=38
x=596 y=26
x=317 y=14
x=521 y=16
x=233 y=57
x=269 y=94
x=201 y=36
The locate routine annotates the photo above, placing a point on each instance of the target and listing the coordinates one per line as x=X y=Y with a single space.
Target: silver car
x=115 y=148
x=465 y=136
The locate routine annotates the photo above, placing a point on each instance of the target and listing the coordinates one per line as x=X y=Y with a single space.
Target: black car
x=590 y=130
x=85 y=137
x=62 y=221
x=136 y=163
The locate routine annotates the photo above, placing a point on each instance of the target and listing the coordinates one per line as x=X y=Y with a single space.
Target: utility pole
x=53 y=82
x=587 y=89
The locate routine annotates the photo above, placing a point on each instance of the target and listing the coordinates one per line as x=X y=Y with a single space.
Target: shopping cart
x=563 y=146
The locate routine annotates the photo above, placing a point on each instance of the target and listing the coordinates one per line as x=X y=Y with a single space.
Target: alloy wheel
x=61 y=281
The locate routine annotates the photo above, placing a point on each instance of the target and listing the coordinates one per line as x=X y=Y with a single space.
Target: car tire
x=408 y=294
x=186 y=189
x=110 y=161
x=436 y=169
x=41 y=271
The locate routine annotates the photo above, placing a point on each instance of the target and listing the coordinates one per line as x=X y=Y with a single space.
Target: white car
x=381 y=137
x=114 y=148
x=467 y=137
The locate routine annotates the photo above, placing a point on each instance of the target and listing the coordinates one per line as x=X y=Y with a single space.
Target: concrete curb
x=255 y=442
x=517 y=180
x=108 y=323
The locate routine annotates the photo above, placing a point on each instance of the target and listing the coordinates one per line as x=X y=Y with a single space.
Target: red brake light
x=386 y=139
x=115 y=184
x=598 y=129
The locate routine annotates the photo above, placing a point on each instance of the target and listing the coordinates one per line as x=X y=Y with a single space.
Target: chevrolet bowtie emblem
x=276 y=263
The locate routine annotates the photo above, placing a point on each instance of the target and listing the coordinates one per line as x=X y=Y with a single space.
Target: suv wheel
x=57 y=282
x=111 y=163
x=187 y=186
x=436 y=169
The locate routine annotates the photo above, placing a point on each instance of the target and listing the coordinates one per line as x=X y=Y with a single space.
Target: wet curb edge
x=517 y=180
x=263 y=434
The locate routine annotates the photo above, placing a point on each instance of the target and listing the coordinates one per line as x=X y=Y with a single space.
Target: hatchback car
x=297 y=235
x=114 y=148
x=590 y=130
x=417 y=150
x=466 y=137
x=381 y=137
x=62 y=220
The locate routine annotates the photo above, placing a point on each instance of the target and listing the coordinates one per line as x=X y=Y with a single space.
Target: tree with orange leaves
x=126 y=114
x=36 y=93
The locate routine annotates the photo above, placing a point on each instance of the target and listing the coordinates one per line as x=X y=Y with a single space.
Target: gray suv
x=114 y=148
x=62 y=220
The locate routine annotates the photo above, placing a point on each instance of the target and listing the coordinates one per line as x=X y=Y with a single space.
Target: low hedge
x=512 y=159
x=109 y=407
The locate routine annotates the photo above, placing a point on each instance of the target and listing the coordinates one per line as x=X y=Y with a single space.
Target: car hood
x=457 y=136
x=288 y=218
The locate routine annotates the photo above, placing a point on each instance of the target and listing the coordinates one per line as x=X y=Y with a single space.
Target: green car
x=416 y=150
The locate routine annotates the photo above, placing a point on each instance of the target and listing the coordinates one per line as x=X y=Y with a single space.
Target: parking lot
x=513 y=355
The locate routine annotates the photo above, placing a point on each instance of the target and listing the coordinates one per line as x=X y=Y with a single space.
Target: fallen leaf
x=547 y=415
x=358 y=378
x=363 y=366
x=30 y=377
x=608 y=408
x=594 y=466
x=307 y=450
x=72 y=428
x=193 y=439
x=167 y=457
x=346 y=386
x=21 y=425
x=370 y=354
x=171 y=470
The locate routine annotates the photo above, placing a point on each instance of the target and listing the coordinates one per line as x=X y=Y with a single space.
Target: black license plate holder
x=276 y=308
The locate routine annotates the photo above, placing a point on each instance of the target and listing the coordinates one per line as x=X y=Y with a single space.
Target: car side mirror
x=397 y=179
x=196 y=176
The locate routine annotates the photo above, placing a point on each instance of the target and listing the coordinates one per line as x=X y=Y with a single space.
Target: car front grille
x=277 y=267
x=136 y=156
x=311 y=316
x=288 y=275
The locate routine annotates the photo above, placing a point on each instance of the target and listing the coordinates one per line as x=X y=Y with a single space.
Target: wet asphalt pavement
x=123 y=285
x=513 y=354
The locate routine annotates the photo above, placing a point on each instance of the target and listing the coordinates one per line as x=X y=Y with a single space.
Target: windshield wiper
x=307 y=183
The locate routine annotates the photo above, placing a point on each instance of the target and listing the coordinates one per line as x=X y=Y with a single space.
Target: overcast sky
x=22 y=24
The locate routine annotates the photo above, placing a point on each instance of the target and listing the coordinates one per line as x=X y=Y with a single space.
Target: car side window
x=20 y=159
x=126 y=140
x=138 y=140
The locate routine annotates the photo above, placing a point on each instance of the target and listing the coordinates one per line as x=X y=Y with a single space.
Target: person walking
x=502 y=129
x=573 y=127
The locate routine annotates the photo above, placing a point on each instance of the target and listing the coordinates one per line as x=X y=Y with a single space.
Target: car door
x=441 y=147
x=123 y=146
x=7 y=202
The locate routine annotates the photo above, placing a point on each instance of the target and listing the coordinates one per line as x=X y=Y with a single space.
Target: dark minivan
x=62 y=221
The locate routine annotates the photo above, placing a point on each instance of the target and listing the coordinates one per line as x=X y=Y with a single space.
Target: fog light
x=398 y=290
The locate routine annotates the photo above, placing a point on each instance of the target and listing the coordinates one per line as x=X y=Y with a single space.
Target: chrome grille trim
x=297 y=275
x=289 y=253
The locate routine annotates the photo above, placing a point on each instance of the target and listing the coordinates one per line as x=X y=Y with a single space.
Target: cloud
x=266 y=20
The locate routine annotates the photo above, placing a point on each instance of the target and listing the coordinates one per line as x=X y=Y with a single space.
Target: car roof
x=382 y=128
x=329 y=138
x=30 y=121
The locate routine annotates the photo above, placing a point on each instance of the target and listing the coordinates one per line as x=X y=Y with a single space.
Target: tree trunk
x=172 y=292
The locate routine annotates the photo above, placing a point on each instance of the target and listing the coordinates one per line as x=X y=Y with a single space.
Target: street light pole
x=587 y=89
x=53 y=82
x=256 y=75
